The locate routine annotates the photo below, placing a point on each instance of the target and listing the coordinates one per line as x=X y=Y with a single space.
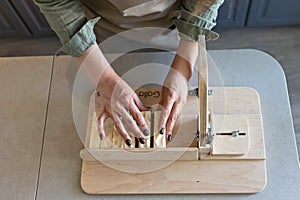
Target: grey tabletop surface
x=59 y=176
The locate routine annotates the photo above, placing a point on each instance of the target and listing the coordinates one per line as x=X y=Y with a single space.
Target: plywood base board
x=181 y=177
x=245 y=173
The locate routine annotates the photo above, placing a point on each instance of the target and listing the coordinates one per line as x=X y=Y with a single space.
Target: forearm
x=185 y=58
x=197 y=18
x=99 y=70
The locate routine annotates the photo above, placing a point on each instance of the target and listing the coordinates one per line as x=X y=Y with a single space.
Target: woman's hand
x=174 y=95
x=117 y=100
x=175 y=88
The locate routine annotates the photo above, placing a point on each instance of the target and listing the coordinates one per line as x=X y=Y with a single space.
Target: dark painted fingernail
x=146 y=132
x=128 y=142
x=142 y=140
x=101 y=136
x=169 y=138
x=149 y=107
x=162 y=131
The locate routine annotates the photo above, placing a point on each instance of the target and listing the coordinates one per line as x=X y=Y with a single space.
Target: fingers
x=101 y=120
x=168 y=102
x=139 y=103
x=119 y=126
x=140 y=120
x=126 y=104
x=121 y=129
x=130 y=124
x=172 y=120
x=127 y=124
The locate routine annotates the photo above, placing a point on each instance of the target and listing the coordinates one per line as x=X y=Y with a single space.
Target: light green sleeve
x=67 y=19
x=191 y=24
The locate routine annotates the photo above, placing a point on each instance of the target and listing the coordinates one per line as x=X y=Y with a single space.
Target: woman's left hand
x=175 y=88
x=174 y=95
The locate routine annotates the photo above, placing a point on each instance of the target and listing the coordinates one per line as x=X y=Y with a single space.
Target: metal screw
x=235 y=133
x=98 y=93
x=209 y=130
x=209 y=136
x=209 y=92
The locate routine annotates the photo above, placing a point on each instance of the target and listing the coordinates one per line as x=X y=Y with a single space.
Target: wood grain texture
x=179 y=177
x=257 y=147
x=226 y=101
x=202 y=88
x=143 y=155
x=228 y=144
x=212 y=174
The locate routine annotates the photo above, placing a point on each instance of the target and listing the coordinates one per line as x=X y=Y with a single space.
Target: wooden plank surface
x=179 y=177
x=229 y=144
x=202 y=89
x=144 y=155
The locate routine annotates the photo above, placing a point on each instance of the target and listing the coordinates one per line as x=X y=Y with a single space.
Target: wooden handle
x=202 y=88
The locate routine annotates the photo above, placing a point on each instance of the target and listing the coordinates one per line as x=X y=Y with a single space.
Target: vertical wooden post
x=202 y=88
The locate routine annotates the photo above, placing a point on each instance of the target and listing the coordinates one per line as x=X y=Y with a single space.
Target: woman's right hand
x=117 y=99
x=120 y=103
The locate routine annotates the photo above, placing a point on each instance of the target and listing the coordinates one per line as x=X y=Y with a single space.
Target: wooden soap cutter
x=218 y=149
